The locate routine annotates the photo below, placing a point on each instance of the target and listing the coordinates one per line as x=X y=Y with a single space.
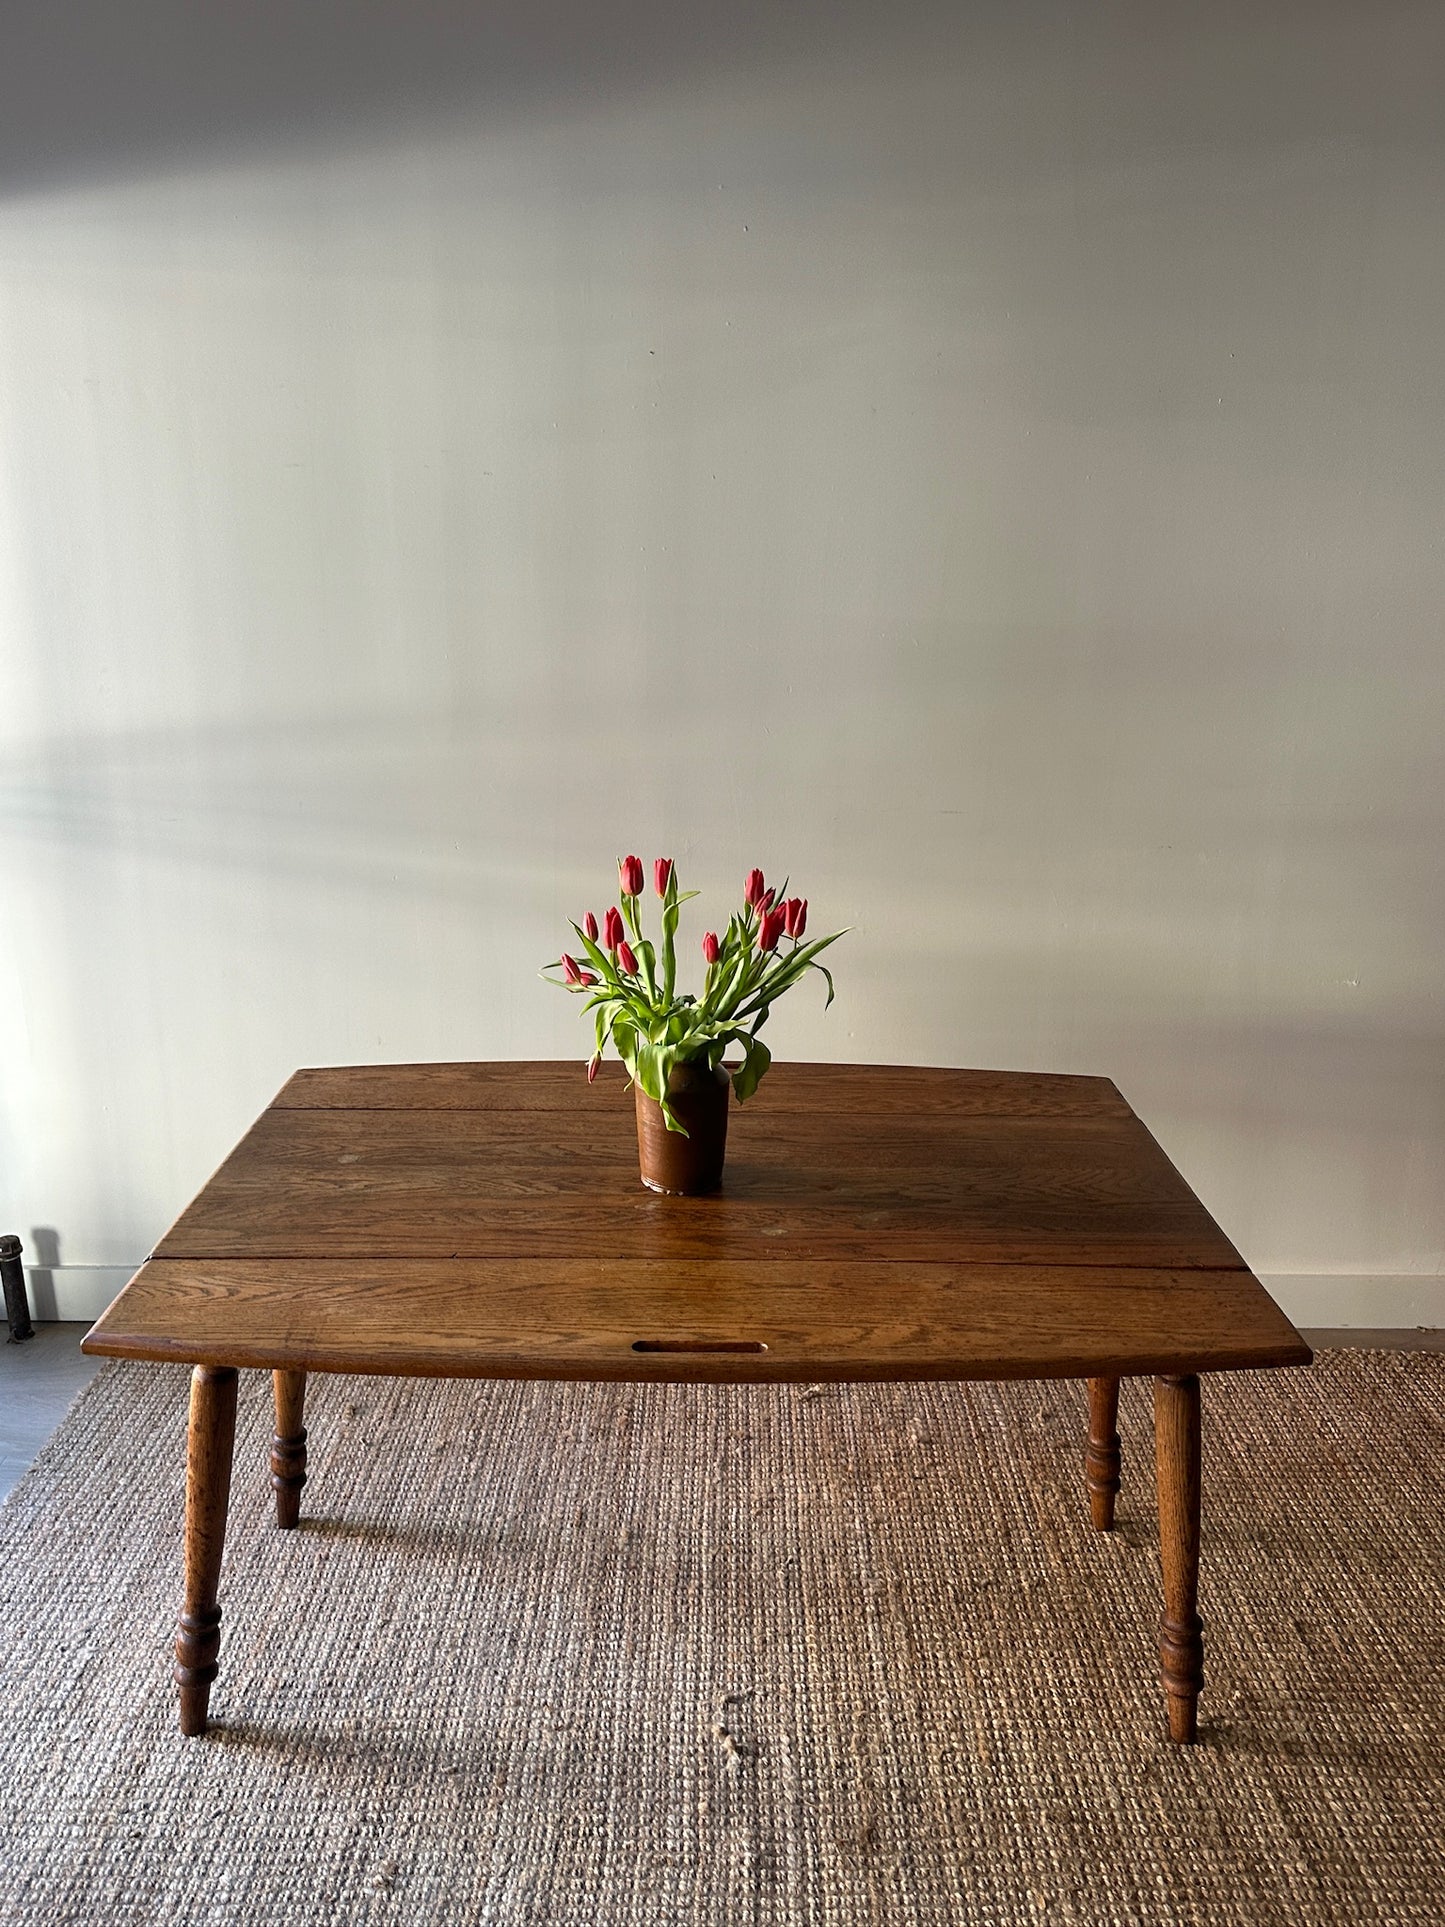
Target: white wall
x=993 y=469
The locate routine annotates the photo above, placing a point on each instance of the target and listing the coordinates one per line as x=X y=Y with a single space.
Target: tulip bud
x=587 y=977
x=571 y=969
x=593 y=1068
x=711 y=946
x=612 y=927
x=661 y=872
x=625 y=959
x=772 y=929
x=629 y=875
x=767 y=902
x=589 y=924
x=753 y=889
x=795 y=910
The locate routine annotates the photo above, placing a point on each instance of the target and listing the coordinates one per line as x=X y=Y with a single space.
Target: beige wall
x=992 y=469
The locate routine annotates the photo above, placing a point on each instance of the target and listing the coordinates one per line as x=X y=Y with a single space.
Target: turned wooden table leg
x=208 y=1492
x=1101 y=1454
x=1181 y=1631
x=288 y=1447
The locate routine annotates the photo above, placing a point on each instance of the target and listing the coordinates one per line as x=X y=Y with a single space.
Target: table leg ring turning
x=288 y=1447
x=210 y=1441
x=1181 y=1634
x=198 y=1646
x=1101 y=1454
x=1181 y=1661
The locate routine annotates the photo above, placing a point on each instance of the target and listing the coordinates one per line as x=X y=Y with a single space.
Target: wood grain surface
x=583 y=1318
x=1045 y=1190
x=998 y=1226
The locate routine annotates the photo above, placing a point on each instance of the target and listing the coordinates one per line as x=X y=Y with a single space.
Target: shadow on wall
x=42 y=1254
x=95 y=90
x=363 y=810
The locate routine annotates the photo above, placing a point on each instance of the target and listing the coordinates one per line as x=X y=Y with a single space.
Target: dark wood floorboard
x=39 y=1379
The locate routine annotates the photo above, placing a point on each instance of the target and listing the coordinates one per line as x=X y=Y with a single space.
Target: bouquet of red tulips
x=632 y=986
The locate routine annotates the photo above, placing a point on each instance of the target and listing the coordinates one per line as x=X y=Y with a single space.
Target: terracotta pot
x=685 y=1167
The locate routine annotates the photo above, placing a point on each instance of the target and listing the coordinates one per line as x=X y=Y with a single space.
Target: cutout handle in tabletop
x=698 y=1345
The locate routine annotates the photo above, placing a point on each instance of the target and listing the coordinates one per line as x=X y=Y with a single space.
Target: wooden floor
x=39 y=1379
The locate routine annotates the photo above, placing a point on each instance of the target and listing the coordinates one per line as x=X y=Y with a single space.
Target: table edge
x=691 y=1369
x=287 y=1097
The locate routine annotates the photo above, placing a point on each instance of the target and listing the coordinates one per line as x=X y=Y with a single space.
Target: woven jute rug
x=622 y=1655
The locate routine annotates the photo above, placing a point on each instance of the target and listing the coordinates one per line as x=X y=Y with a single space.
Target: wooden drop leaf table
x=487 y=1221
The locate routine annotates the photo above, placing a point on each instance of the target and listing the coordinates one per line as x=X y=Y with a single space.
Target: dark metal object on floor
x=17 y=1305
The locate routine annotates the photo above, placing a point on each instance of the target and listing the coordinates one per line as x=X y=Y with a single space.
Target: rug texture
x=830 y=1656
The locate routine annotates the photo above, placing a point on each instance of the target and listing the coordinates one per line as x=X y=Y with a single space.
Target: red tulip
x=711 y=946
x=772 y=929
x=571 y=969
x=589 y=924
x=593 y=1068
x=629 y=874
x=661 y=872
x=586 y=977
x=753 y=889
x=795 y=910
x=767 y=902
x=612 y=927
x=625 y=959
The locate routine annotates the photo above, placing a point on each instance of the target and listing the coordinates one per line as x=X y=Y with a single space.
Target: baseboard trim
x=1393 y=1301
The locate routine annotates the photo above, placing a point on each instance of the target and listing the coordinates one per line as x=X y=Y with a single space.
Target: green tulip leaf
x=749 y=1074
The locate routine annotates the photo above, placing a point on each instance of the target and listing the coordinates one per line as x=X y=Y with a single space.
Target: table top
x=875 y=1222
